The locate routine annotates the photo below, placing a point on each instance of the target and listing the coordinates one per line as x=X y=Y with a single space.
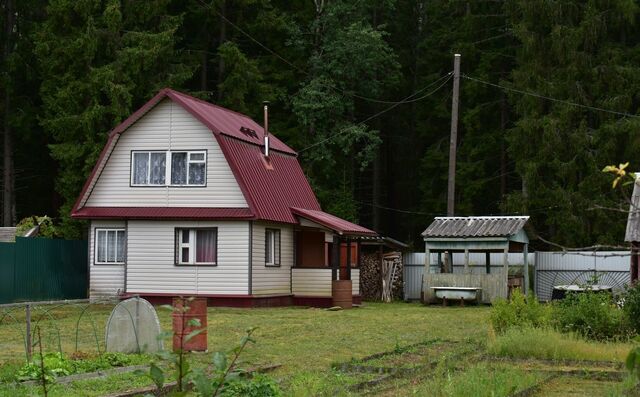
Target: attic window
x=169 y=168
x=249 y=132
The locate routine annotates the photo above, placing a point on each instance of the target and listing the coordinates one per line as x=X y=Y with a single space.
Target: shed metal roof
x=475 y=226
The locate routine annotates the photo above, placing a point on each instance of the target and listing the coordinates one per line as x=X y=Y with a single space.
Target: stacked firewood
x=370 y=285
x=371 y=276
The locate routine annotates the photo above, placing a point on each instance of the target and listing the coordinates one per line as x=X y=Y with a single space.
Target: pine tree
x=584 y=52
x=99 y=60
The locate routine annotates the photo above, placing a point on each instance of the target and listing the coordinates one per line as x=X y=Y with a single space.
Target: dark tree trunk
x=503 y=148
x=221 y=39
x=8 y=199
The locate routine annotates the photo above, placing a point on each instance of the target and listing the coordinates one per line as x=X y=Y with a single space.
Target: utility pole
x=451 y=193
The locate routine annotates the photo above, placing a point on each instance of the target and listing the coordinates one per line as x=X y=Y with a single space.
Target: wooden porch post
x=506 y=271
x=348 y=270
x=525 y=253
x=487 y=261
x=427 y=265
x=466 y=260
x=335 y=262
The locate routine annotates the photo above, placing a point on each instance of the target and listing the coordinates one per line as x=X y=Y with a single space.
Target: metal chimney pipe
x=266 y=128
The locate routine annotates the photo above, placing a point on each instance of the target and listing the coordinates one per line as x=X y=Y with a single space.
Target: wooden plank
x=493 y=285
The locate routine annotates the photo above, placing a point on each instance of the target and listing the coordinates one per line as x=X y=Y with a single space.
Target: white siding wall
x=311 y=282
x=317 y=282
x=151 y=268
x=272 y=280
x=166 y=127
x=104 y=280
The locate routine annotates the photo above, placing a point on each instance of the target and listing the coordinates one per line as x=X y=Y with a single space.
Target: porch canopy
x=343 y=232
x=477 y=234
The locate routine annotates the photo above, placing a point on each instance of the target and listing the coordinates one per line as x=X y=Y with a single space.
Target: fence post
x=28 y=333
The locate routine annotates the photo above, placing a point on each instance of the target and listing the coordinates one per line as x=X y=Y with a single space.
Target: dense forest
x=361 y=89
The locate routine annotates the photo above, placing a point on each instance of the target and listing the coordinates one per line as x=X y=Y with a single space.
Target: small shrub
x=519 y=311
x=631 y=307
x=591 y=314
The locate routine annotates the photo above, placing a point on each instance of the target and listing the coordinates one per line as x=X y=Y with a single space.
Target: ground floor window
x=109 y=247
x=272 y=247
x=196 y=246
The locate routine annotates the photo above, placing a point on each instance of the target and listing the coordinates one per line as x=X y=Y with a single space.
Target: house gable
x=166 y=126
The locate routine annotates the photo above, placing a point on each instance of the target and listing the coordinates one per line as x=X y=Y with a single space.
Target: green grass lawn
x=306 y=343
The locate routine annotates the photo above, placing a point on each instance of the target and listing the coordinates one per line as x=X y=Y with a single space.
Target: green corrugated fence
x=35 y=269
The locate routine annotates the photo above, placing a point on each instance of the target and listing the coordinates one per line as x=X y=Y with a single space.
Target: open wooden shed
x=487 y=234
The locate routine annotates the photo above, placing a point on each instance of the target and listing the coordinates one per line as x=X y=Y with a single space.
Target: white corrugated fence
x=551 y=268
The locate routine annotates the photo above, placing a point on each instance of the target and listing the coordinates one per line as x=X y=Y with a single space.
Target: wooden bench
x=456 y=293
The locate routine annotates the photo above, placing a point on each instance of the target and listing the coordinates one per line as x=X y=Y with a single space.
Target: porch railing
x=317 y=281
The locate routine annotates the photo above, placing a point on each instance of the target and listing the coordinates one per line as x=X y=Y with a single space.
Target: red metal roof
x=161 y=213
x=271 y=188
x=218 y=119
x=333 y=222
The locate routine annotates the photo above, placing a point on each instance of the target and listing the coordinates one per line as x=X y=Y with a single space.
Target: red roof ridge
x=272 y=150
x=175 y=92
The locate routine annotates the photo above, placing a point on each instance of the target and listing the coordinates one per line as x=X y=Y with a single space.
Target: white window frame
x=167 y=172
x=106 y=230
x=270 y=240
x=192 y=246
x=189 y=162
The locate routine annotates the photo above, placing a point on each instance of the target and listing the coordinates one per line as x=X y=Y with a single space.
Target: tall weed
x=519 y=311
x=550 y=344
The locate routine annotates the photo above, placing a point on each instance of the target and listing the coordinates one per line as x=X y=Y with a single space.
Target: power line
x=405 y=100
x=291 y=64
x=536 y=95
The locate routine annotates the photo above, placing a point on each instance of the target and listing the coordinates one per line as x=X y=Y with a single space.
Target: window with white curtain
x=168 y=168
x=109 y=246
x=196 y=246
x=272 y=247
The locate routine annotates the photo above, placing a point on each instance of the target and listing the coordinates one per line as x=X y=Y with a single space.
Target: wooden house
x=189 y=198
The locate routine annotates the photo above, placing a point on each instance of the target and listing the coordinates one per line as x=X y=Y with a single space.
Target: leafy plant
x=591 y=314
x=55 y=365
x=229 y=380
x=257 y=386
x=633 y=361
x=631 y=307
x=519 y=311
x=46 y=228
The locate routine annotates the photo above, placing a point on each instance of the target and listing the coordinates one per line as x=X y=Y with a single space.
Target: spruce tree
x=99 y=60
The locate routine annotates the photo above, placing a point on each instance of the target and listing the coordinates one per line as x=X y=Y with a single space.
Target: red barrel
x=196 y=309
x=341 y=293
